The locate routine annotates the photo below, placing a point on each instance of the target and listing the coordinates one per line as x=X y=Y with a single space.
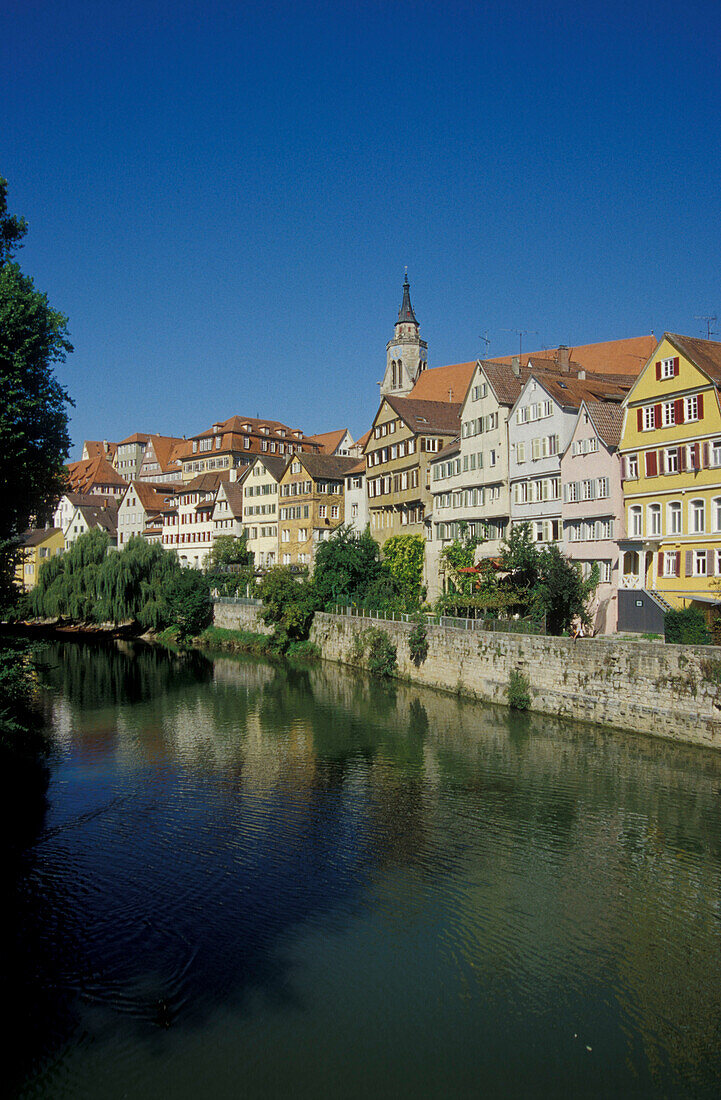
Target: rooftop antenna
x=708 y=319
x=486 y=341
x=520 y=333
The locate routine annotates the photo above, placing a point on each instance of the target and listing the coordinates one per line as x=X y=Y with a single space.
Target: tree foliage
x=347 y=565
x=34 y=436
x=142 y=583
x=544 y=582
x=289 y=604
x=403 y=557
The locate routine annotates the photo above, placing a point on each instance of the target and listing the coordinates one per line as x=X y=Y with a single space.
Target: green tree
x=346 y=565
x=289 y=605
x=403 y=558
x=457 y=555
x=561 y=592
x=190 y=607
x=230 y=550
x=34 y=438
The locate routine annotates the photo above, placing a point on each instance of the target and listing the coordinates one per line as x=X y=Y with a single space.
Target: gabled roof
x=203 y=483
x=233 y=493
x=154 y=498
x=447 y=384
x=37 y=536
x=426 y=416
x=274 y=464
x=96 y=448
x=704 y=354
x=609 y=357
x=359 y=468
x=607 y=419
x=138 y=437
x=88 y=498
x=92 y=471
x=105 y=518
x=329 y=441
x=360 y=443
x=569 y=391
x=242 y=426
x=322 y=466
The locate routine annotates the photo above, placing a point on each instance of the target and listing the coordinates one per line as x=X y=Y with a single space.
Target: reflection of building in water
x=244 y=674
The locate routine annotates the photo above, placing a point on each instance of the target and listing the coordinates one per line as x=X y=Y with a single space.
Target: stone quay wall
x=239 y=616
x=669 y=691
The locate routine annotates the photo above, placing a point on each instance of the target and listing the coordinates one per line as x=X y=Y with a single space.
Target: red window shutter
x=658 y=371
x=682 y=458
x=689 y=563
x=700 y=406
x=705 y=456
x=678 y=563
x=660 y=564
x=710 y=563
x=657 y=418
x=651 y=464
x=679 y=410
x=639 y=419
x=675 y=367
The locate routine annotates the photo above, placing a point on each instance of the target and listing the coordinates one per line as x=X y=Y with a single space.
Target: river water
x=261 y=881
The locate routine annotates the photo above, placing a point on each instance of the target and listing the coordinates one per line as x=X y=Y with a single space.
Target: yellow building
x=311 y=505
x=671 y=468
x=406 y=435
x=37 y=547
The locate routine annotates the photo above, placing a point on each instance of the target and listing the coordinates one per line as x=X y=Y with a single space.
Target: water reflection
x=294 y=876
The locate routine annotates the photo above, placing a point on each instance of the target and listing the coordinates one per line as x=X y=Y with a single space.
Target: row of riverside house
x=611 y=451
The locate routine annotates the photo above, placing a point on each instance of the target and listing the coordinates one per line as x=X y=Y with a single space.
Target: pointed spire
x=405 y=313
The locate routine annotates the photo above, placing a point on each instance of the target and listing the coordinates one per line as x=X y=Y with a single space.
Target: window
x=635 y=521
x=692 y=407
x=323 y=511
x=602 y=487
x=649 y=418
x=668 y=414
x=302 y=534
x=285 y=535
x=520 y=453
x=604 y=572
x=654 y=519
x=631 y=467
x=699 y=563
x=667 y=368
x=670 y=563
x=334 y=512
x=671 y=460
x=673 y=518
x=697 y=517
x=716 y=513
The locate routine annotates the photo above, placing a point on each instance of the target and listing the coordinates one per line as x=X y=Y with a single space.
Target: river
x=253 y=880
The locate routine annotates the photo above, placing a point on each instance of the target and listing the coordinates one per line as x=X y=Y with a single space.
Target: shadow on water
x=205 y=813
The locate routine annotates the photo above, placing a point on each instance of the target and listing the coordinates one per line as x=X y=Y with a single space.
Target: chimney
x=564 y=358
x=516 y=365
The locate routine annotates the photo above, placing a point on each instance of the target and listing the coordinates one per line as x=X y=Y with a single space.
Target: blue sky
x=223 y=196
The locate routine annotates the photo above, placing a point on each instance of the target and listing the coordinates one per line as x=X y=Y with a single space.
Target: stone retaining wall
x=667 y=690
x=239 y=616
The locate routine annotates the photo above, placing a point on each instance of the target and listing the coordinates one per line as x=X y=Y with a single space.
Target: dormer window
x=217 y=442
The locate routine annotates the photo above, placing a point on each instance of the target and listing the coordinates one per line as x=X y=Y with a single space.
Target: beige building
x=405 y=437
x=232 y=444
x=261 y=493
x=141 y=510
x=311 y=505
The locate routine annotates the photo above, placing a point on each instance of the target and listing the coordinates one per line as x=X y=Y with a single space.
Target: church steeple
x=405 y=313
x=406 y=353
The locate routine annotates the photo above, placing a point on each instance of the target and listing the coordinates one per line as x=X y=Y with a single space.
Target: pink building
x=593 y=513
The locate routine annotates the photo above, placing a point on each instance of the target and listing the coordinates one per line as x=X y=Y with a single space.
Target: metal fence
x=246 y=601
x=504 y=626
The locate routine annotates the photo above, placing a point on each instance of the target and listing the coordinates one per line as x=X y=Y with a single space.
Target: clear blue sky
x=222 y=196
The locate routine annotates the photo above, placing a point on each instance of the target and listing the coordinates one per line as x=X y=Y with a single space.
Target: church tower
x=406 y=353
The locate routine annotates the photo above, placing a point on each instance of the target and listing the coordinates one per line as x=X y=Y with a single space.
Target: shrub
x=716 y=630
x=418 y=643
x=687 y=627
x=304 y=651
x=519 y=693
x=382 y=654
x=289 y=606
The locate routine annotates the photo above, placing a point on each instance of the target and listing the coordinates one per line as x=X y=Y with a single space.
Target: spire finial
x=405 y=313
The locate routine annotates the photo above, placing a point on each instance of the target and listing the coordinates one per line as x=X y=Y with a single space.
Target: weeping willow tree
x=143 y=583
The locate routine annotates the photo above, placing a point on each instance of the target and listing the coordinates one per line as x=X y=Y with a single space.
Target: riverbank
x=669 y=691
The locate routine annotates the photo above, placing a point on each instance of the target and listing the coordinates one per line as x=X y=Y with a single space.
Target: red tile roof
x=329 y=441
x=86 y=473
x=444 y=383
x=609 y=357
